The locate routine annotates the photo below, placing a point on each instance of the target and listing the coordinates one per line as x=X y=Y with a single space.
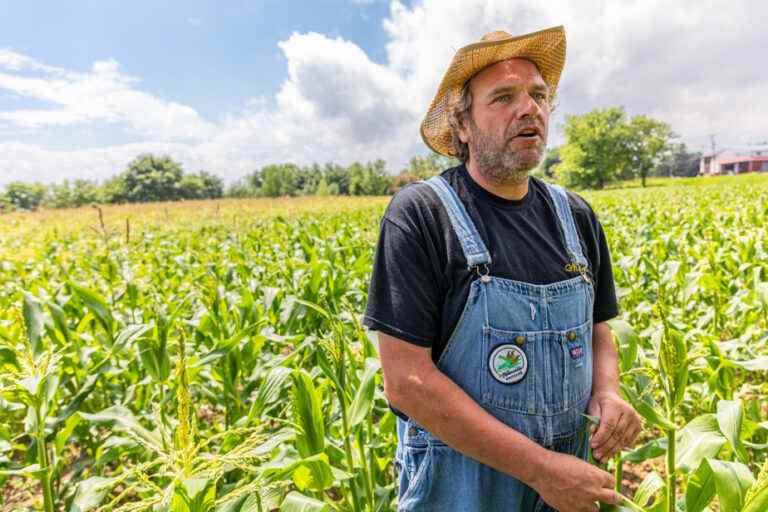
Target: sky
x=231 y=86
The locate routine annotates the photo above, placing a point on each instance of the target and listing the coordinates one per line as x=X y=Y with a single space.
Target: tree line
x=602 y=147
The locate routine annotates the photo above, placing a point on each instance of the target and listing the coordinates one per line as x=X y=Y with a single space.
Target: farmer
x=490 y=292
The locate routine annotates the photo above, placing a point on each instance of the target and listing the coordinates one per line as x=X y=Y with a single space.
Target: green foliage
x=152 y=178
x=359 y=179
x=647 y=145
x=202 y=185
x=369 y=179
x=278 y=180
x=26 y=196
x=74 y=194
x=595 y=152
x=423 y=167
x=546 y=169
x=603 y=146
x=679 y=162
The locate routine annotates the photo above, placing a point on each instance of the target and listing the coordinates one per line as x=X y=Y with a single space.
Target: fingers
x=609 y=497
x=609 y=482
x=613 y=444
x=607 y=435
x=631 y=434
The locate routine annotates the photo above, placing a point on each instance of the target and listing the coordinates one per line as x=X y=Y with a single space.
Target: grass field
x=210 y=356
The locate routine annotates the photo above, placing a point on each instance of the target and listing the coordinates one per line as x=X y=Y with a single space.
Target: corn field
x=210 y=356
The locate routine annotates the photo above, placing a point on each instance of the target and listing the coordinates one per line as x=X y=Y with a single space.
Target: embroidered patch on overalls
x=508 y=364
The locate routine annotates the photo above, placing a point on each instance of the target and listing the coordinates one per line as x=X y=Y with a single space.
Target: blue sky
x=213 y=55
x=230 y=86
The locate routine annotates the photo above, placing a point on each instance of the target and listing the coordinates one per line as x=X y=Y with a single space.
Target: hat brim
x=545 y=48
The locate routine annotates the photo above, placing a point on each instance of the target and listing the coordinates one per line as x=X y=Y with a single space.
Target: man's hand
x=569 y=484
x=619 y=425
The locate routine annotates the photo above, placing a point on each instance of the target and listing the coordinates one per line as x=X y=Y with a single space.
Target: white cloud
x=697 y=65
x=104 y=94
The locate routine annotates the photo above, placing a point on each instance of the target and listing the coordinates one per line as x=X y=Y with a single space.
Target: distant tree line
x=601 y=147
x=159 y=178
x=147 y=178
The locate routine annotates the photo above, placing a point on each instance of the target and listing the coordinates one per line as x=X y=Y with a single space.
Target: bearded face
x=505 y=128
x=499 y=159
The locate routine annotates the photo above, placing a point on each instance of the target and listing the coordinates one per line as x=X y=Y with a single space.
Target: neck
x=508 y=190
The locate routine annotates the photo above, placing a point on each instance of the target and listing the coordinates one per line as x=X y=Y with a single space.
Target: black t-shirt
x=420 y=281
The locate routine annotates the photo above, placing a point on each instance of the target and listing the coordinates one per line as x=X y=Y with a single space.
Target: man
x=490 y=292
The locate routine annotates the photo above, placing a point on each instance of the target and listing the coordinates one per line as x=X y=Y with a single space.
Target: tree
x=603 y=145
x=241 y=188
x=424 y=167
x=595 y=151
x=551 y=159
x=202 y=185
x=546 y=168
x=648 y=144
x=27 y=196
x=679 y=162
x=323 y=189
x=308 y=179
x=74 y=194
x=278 y=180
x=337 y=179
x=370 y=179
x=152 y=178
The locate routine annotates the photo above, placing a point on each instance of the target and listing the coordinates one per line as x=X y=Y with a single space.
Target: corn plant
x=215 y=358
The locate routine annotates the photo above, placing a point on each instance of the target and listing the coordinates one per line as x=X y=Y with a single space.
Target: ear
x=463 y=127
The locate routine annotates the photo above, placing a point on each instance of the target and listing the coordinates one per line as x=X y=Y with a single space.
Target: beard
x=498 y=163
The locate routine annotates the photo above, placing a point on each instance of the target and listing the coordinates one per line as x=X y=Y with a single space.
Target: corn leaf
x=90 y=492
x=297 y=502
x=363 y=401
x=628 y=342
x=699 y=440
x=308 y=414
x=729 y=480
x=34 y=321
x=729 y=419
x=650 y=485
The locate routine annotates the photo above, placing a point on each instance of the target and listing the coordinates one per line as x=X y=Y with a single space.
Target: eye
x=504 y=98
x=539 y=96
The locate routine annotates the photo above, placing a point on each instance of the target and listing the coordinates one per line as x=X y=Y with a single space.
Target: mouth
x=528 y=133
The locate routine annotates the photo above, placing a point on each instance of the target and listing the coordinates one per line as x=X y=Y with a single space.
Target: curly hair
x=456 y=119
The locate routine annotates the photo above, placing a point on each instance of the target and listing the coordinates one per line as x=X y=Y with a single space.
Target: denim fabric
x=546 y=330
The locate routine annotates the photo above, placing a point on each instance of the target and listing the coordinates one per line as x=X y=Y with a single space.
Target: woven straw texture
x=546 y=48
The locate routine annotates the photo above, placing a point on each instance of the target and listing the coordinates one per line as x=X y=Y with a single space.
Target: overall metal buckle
x=484 y=277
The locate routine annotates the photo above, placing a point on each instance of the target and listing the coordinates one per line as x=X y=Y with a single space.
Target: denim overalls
x=524 y=353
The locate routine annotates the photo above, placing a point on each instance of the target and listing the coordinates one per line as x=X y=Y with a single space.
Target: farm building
x=736 y=160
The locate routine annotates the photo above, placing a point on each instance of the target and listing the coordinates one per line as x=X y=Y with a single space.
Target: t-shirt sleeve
x=606 y=304
x=403 y=296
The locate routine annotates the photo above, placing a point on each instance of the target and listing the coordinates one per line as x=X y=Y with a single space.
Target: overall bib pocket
x=542 y=373
x=509 y=368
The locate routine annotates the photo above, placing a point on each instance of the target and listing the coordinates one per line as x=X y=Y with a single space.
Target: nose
x=529 y=107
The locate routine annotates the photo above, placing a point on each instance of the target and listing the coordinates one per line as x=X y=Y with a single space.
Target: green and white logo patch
x=508 y=364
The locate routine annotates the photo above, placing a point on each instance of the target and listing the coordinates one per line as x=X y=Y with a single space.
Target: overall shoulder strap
x=565 y=216
x=474 y=249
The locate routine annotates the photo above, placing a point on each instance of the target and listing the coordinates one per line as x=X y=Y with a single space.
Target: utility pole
x=713 y=146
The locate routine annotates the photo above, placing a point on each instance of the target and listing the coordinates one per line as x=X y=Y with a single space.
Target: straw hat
x=546 y=48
